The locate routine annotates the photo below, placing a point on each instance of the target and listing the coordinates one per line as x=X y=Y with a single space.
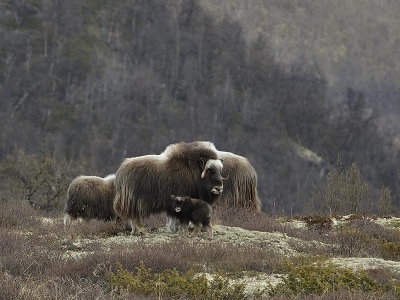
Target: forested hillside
x=291 y=85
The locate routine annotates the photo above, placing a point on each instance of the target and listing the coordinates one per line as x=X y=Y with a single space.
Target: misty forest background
x=294 y=86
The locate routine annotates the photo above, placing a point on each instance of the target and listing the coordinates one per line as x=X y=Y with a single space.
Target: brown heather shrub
x=94 y=228
x=351 y=241
x=245 y=218
x=383 y=241
x=18 y=213
x=320 y=224
x=24 y=254
x=183 y=256
x=55 y=288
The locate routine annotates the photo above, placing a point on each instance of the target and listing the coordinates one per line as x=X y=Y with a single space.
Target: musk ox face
x=211 y=175
x=178 y=202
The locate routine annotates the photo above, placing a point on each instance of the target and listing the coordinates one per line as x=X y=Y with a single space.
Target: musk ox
x=90 y=197
x=187 y=209
x=240 y=188
x=144 y=184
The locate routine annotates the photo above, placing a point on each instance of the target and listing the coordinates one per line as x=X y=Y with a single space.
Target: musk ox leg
x=184 y=229
x=172 y=224
x=67 y=221
x=209 y=230
x=137 y=227
x=132 y=226
x=197 y=229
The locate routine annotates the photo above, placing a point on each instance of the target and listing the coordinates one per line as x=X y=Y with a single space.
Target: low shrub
x=351 y=241
x=320 y=224
x=391 y=250
x=321 y=277
x=245 y=218
x=170 y=283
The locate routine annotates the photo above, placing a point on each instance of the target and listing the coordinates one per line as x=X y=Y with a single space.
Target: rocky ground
x=277 y=241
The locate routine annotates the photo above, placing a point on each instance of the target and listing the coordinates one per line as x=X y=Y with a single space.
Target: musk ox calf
x=144 y=184
x=197 y=211
x=240 y=188
x=90 y=197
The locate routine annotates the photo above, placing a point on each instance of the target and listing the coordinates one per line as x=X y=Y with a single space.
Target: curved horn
x=203 y=173
x=226 y=178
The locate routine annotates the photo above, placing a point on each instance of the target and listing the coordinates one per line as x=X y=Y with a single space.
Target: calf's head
x=178 y=201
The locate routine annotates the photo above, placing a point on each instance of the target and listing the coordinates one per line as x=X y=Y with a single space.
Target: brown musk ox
x=90 y=197
x=144 y=184
x=186 y=210
x=241 y=187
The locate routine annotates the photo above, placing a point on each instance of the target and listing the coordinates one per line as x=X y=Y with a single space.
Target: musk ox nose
x=217 y=190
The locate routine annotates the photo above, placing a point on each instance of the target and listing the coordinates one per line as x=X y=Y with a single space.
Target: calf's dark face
x=177 y=203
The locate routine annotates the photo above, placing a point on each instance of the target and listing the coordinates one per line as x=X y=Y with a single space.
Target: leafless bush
x=344 y=192
x=39 y=179
x=351 y=241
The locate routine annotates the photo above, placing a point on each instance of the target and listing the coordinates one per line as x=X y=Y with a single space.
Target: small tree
x=343 y=192
x=39 y=179
x=385 y=201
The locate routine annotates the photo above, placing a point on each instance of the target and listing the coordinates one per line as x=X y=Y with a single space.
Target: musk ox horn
x=209 y=163
x=225 y=178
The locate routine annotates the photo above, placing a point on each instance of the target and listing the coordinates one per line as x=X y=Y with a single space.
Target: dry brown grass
x=33 y=264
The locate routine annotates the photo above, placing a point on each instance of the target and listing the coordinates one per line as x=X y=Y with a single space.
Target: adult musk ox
x=241 y=187
x=144 y=184
x=187 y=209
x=90 y=197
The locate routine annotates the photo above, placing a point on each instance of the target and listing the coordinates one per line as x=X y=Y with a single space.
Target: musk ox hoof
x=140 y=232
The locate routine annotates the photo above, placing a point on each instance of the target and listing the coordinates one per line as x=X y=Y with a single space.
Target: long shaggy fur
x=144 y=184
x=90 y=197
x=240 y=189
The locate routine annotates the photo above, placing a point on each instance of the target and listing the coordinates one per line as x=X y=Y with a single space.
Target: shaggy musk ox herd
x=143 y=185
